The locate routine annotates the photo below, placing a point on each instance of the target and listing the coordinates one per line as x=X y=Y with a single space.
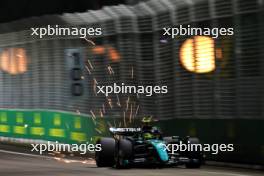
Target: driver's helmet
x=147 y=136
x=146 y=127
x=146 y=120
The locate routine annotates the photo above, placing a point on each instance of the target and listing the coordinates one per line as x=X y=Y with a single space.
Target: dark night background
x=18 y=9
x=215 y=85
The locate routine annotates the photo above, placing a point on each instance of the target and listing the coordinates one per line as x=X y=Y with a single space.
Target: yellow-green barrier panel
x=50 y=125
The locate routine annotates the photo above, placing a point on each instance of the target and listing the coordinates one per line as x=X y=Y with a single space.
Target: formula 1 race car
x=145 y=146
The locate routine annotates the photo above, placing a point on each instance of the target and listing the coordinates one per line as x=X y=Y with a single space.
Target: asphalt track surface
x=24 y=164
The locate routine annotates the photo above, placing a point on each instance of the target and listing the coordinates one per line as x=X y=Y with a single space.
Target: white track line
x=48 y=157
x=25 y=154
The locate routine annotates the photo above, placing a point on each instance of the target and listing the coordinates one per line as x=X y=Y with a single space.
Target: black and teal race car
x=145 y=146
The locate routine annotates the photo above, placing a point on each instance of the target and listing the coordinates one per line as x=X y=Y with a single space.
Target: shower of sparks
x=89 y=161
x=130 y=108
x=56 y=152
x=94 y=86
x=103 y=108
x=115 y=123
x=132 y=73
x=110 y=70
x=90 y=64
x=101 y=113
x=51 y=154
x=124 y=118
x=109 y=102
x=127 y=102
x=93 y=115
x=130 y=115
x=118 y=101
x=100 y=132
x=134 y=110
x=89 y=71
x=94 y=122
x=137 y=110
x=89 y=41
x=138 y=96
x=109 y=124
x=95 y=81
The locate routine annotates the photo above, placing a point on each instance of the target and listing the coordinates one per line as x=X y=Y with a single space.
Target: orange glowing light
x=113 y=54
x=218 y=53
x=197 y=54
x=13 y=61
x=98 y=50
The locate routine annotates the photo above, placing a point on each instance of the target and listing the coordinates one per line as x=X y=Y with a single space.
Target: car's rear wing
x=124 y=131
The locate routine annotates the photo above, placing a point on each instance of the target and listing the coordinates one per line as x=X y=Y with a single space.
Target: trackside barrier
x=65 y=127
x=50 y=126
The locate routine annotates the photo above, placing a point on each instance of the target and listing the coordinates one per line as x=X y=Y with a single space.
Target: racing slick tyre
x=195 y=157
x=124 y=151
x=105 y=157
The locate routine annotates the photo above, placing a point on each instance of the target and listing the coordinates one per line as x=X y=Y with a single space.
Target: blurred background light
x=197 y=54
x=13 y=61
x=111 y=52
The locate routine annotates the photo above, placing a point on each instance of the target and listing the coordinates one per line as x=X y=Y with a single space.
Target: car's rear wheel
x=194 y=163
x=105 y=157
x=194 y=156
